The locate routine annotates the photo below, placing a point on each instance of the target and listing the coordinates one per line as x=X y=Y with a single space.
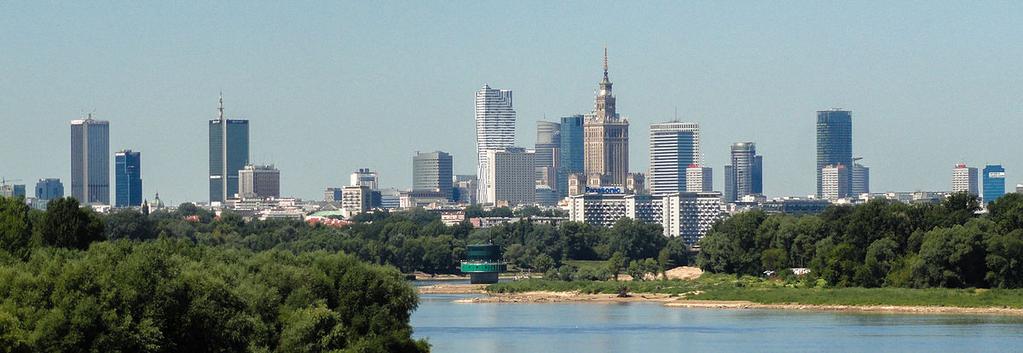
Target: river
x=650 y=327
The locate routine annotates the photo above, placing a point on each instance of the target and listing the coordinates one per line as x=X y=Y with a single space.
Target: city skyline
x=160 y=112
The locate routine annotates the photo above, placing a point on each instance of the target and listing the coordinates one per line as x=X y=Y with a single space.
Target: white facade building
x=833 y=181
x=964 y=179
x=510 y=177
x=495 y=130
x=354 y=200
x=673 y=147
x=699 y=179
x=690 y=215
x=365 y=177
x=604 y=210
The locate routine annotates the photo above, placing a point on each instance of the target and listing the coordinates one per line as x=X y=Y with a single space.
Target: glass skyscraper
x=49 y=189
x=432 y=171
x=746 y=175
x=495 y=129
x=994 y=182
x=229 y=153
x=834 y=144
x=571 y=151
x=128 y=179
x=674 y=146
x=90 y=161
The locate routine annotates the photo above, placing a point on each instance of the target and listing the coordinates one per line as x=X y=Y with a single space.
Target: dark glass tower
x=834 y=143
x=571 y=151
x=128 y=179
x=432 y=171
x=229 y=153
x=994 y=182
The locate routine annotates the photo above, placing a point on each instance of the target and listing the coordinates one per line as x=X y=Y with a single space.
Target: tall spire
x=221 y=107
x=605 y=62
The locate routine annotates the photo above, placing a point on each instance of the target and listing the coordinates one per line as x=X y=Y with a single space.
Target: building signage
x=605 y=190
x=996 y=175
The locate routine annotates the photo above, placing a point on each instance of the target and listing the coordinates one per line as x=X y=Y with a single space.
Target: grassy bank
x=720 y=287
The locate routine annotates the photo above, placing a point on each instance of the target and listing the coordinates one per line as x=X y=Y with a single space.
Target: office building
x=229 y=153
x=1019 y=188
x=495 y=130
x=745 y=174
x=548 y=153
x=860 y=179
x=994 y=182
x=690 y=215
x=510 y=175
x=465 y=188
x=606 y=137
x=49 y=189
x=635 y=183
x=964 y=179
x=571 y=151
x=90 y=161
x=259 y=182
x=699 y=179
x=834 y=143
x=431 y=171
x=332 y=194
x=609 y=205
x=673 y=147
x=834 y=182
x=545 y=196
x=365 y=177
x=128 y=179
x=12 y=190
x=354 y=200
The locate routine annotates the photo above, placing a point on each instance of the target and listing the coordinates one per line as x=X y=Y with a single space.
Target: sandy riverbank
x=540 y=297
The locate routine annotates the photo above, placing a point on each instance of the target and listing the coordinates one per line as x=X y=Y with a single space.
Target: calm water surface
x=650 y=327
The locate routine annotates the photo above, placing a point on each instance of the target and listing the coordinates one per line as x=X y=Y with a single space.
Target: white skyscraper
x=673 y=147
x=965 y=179
x=699 y=179
x=365 y=177
x=834 y=179
x=495 y=130
x=510 y=177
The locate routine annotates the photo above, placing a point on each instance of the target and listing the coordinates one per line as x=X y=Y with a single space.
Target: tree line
x=879 y=244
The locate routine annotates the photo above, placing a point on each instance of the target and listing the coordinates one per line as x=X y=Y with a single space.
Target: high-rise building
x=548 y=154
x=834 y=142
x=745 y=177
x=354 y=200
x=332 y=194
x=690 y=215
x=994 y=182
x=229 y=153
x=964 y=178
x=860 y=179
x=635 y=183
x=365 y=177
x=49 y=189
x=673 y=147
x=465 y=188
x=834 y=182
x=572 y=157
x=495 y=130
x=90 y=161
x=1019 y=188
x=510 y=177
x=699 y=179
x=12 y=190
x=606 y=137
x=431 y=171
x=259 y=181
x=128 y=179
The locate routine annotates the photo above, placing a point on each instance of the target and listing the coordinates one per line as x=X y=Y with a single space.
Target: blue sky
x=333 y=86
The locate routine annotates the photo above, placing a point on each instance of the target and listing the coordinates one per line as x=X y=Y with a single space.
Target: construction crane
x=4 y=181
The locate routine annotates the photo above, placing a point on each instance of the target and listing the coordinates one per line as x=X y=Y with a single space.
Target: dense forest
x=879 y=244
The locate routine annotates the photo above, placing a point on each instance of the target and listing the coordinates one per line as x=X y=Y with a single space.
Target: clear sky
x=330 y=87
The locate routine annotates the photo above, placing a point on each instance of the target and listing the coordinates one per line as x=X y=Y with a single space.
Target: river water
x=651 y=327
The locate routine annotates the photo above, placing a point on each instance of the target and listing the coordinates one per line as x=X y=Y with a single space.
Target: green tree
x=67 y=225
x=128 y=224
x=773 y=259
x=616 y=264
x=1005 y=260
x=953 y=257
x=15 y=228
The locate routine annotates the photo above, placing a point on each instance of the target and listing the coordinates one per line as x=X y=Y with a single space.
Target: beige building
x=259 y=181
x=354 y=200
x=510 y=177
x=606 y=137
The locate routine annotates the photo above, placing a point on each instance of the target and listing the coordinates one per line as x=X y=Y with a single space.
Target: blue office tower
x=994 y=182
x=49 y=189
x=834 y=145
x=571 y=151
x=229 y=153
x=128 y=179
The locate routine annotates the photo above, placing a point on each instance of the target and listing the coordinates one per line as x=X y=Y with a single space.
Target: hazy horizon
x=329 y=88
